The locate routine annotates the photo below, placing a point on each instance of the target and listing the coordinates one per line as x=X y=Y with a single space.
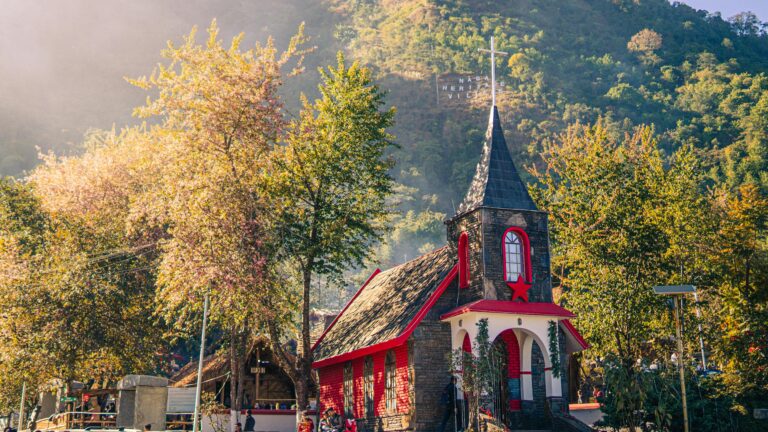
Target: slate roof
x=496 y=182
x=386 y=305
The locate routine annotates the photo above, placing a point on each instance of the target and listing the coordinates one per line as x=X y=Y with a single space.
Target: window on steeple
x=513 y=257
x=516 y=252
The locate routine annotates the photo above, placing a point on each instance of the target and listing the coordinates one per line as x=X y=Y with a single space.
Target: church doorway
x=508 y=395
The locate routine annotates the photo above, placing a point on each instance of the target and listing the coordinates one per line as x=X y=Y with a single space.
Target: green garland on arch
x=554 y=349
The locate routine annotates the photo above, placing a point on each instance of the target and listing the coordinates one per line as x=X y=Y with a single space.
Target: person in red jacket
x=306 y=425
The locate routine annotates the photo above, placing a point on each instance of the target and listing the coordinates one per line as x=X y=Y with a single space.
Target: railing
x=76 y=420
x=178 y=421
x=273 y=404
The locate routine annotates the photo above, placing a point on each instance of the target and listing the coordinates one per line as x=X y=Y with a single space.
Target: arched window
x=349 y=391
x=513 y=257
x=390 y=372
x=463 y=260
x=368 y=385
x=516 y=251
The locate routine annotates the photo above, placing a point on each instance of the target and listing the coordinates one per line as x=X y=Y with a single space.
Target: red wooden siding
x=357 y=372
x=332 y=384
x=403 y=394
x=332 y=387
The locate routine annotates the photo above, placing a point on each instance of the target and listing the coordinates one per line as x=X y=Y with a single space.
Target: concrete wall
x=277 y=421
x=143 y=400
x=151 y=404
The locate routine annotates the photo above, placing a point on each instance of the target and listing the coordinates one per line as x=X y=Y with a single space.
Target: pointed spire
x=496 y=183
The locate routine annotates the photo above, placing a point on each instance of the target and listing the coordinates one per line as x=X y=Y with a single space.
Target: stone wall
x=432 y=350
x=536 y=415
x=485 y=229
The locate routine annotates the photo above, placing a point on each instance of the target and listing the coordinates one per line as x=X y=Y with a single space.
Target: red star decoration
x=519 y=289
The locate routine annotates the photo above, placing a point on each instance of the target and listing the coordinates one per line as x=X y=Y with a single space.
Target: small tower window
x=513 y=257
x=463 y=260
x=390 y=371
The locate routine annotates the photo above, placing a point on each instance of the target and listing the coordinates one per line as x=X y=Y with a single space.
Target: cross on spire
x=493 y=53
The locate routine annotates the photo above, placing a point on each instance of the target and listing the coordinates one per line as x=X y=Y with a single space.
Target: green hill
x=696 y=77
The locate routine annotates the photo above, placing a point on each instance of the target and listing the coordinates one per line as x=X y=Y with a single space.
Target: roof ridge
x=414 y=259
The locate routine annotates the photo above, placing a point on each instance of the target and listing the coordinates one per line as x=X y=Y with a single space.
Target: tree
x=645 y=42
x=741 y=300
x=623 y=219
x=747 y=24
x=481 y=372
x=220 y=116
x=62 y=288
x=606 y=249
x=328 y=187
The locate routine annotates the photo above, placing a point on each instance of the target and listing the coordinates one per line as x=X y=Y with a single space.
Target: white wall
x=280 y=421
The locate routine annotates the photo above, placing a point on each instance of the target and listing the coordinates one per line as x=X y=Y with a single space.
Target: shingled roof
x=386 y=305
x=496 y=182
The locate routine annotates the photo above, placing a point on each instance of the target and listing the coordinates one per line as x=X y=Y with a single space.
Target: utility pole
x=195 y=423
x=677 y=292
x=680 y=363
x=19 y=425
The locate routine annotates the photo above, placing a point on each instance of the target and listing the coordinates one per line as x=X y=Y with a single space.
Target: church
x=385 y=359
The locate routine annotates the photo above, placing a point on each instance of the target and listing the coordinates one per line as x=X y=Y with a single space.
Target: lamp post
x=20 y=425
x=677 y=292
x=195 y=424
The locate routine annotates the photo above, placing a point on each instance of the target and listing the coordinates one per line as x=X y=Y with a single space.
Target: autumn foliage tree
x=329 y=185
x=220 y=116
x=645 y=42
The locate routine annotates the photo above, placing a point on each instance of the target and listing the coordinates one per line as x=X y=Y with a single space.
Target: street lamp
x=677 y=292
x=195 y=425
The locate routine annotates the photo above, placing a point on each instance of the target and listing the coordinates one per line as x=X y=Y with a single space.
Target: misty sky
x=62 y=62
x=729 y=8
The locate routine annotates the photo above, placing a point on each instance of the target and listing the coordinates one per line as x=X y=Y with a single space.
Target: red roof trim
x=508 y=307
x=370 y=278
x=403 y=337
x=575 y=333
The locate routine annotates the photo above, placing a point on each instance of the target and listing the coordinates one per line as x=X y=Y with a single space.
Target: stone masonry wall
x=471 y=224
x=536 y=416
x=432 y=348
x=485 y=229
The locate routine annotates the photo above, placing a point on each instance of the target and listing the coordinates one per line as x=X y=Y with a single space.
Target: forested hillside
x=696 y=77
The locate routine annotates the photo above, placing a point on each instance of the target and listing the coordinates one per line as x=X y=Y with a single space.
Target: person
x=306 y=425
x=350 y=424
x=597 y=393
x=331 y=422
x=250 y=422
x=147 y=427
x=449 y=402
x=239 y=427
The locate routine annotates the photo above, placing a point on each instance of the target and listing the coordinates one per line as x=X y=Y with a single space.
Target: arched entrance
x=509 y=390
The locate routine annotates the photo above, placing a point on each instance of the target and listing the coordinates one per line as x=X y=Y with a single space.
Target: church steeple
x=496 y=183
